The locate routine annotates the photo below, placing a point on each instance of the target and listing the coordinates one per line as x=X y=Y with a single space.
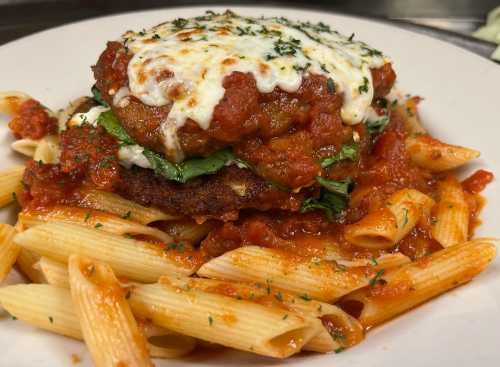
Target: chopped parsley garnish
x=180 y=23
x=405 y=219
x=279 y=296
x=363 y=88
x=376 y=278
x=87 y=216
x=14 y=196
x=351 y=37
x=210 y=320
x=338 y=335
x=302 y=68
x=51 y=319
x=127 y=296
x=285 y=316
x=156 y=36
x=374 y=260
x=98 y=225
x=127 y=215
x=348 y=151
x=14 y=318
x=180 y=247
x=339 y=350
x=286 y=48
x=330 y=84
x=305 y=297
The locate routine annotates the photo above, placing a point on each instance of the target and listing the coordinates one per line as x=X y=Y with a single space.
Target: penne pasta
x=44 y=306
x=65 y=114
x=108 y=326
x=51 y=308
x=10 y=184
x=437 y=156
x=11 y=100
x=25 y=146
x=89 y=218
x=451 y=223
x=27 y=262
x=136 y=260
x=401 y=289
x=223 y=320
x=48 y=150
x=409 y=112
x=339 y=329
x=8 y=250
x=321 y=280
x=163 y=343
x=385 y=227
x=386 y=261
x=55 y=273
x=113 y=203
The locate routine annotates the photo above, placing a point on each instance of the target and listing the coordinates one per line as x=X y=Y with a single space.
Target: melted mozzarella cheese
x=183 y=63
x=130 y=155
x=90 y=117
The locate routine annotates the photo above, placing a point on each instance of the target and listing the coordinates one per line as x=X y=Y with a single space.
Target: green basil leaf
x=348 y=151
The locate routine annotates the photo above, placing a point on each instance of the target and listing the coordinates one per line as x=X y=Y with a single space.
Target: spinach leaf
x=182 y=172
x=161 y=166
x=98 y=96
x=333 y=197
x=340 y=187
x=204 y=166
x=348 y=151
x=376 y=127
x=113 y=127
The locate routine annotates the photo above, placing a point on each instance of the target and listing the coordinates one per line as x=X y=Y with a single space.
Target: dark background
x=22 y=17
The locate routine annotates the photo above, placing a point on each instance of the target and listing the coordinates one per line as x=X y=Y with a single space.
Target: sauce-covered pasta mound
x=271 y=158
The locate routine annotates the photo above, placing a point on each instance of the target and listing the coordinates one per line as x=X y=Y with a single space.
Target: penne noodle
x=89 y=218
x=339 y=329
x=401 y=289
x=136 y=260
x=11 y=100
x=51 y=308
x=48 y=150
x=27 y=262
x=65 y=114
x=108 y=326
x=409 y=112
x=113 y=203
x=223 y=320
x=25 y=146
x=10 y=184
x=163 y=343
x=8 y=250
x=44 y=306
x=55 y=273
x=321 y=280
x=437 y=156
x=451 y=222
x=385 y=227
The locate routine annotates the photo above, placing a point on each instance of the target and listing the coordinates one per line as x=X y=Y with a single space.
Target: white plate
x=461 y=328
